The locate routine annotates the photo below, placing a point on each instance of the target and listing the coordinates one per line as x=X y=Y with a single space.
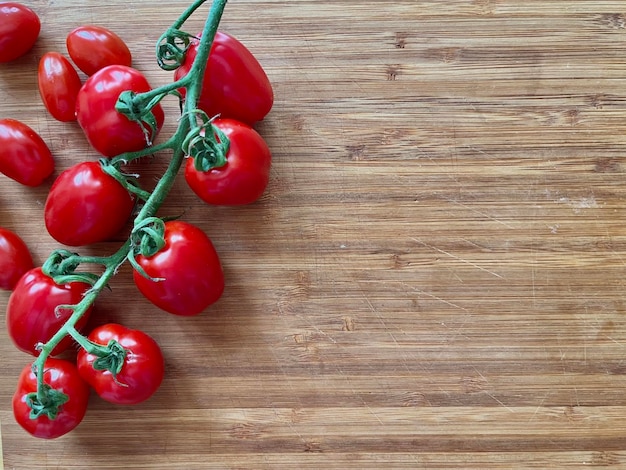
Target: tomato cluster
x=176 y=266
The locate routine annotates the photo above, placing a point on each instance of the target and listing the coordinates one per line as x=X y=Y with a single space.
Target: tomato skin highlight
x=24 y=156
x=15 y=259
x=94 y=47
x=31 y=316
x=109 y=132
x=19 y=30
x=61 y=375
x=191 y=268
x=59 y=84
x=234 y=84
x=244 y=177
x=85 y=205
x=141 y=374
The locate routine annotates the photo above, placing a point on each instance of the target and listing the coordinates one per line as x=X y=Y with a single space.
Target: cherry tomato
x=234 y=85
x=24 y=156
x=58 y=86
x=244 y=177
x=19 y=29
x=108 y=131
x=85 y=205
x=62 y=376
x=93 y=47
x=15 y=259
x=190 y=268
x=32 y=316
x=142 y=371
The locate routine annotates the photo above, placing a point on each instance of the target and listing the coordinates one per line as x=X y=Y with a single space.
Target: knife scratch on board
x=458 y=258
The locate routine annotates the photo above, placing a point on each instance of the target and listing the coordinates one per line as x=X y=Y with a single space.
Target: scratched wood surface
x=435 y=277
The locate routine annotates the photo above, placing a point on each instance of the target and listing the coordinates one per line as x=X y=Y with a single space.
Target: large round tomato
x=244 y=177
x=234 y=84
x=93 y=47
x=141 y=373
x=189 y=268
x=24 y=156
x=58 y=86
x=85 y=205
x=19 y=29
x=108 y=131
x=32 y=315
x=15 y=259
x=62 y=376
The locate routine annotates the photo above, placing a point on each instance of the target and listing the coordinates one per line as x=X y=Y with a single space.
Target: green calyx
x=138 y=111
x=206 y=143
x=46 y=402
x=147 y=239
x=171 y=48
x=61 y=266
x=112 y=359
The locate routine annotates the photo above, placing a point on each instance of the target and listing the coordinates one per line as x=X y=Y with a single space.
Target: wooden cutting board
x=435 y=276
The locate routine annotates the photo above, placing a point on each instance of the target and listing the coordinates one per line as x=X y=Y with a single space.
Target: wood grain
x=434 y=277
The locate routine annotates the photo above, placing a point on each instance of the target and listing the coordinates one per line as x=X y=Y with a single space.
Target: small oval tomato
x=234 y=84
x=32 y=315
x=140 y=375
x=190 y=269
x=108 y=131
x=19 y=29
x=85 y=205
x=58 y=86
x=244 y=177
x=63 y=377
x=24 y=156
x=15 y=259
x=93 y=47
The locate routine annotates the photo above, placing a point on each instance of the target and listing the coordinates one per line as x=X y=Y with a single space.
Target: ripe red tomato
x=19 y=29
x=85 y=205
x=62 y=376
x=234 y=85
x=140 y=376
x=58 y=86
x=15 y=259
x=190 y=267
x=93 y=47
x=32 y=316
x=244 y=177
x=108 y=131
x=25 y=157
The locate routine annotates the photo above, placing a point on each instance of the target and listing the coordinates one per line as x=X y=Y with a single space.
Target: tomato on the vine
x=59 y=84
x=186 y=273
x=141 y=373
x=25 y=157
x=94 y=47
x=62 y=376
x=33 y=314
x=108 y=131
x=15 y=258
x=244 y=177
x=19 y=29
x=86 y=205
x=234 y=84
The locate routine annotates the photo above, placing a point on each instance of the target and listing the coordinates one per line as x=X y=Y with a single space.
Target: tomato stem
x=62 y=263
x=112 y=265
x=46 y=401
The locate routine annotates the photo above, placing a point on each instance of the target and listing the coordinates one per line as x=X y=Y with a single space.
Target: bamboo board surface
x=435 y=276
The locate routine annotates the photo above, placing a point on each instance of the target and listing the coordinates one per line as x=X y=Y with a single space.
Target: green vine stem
x=62 y=263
